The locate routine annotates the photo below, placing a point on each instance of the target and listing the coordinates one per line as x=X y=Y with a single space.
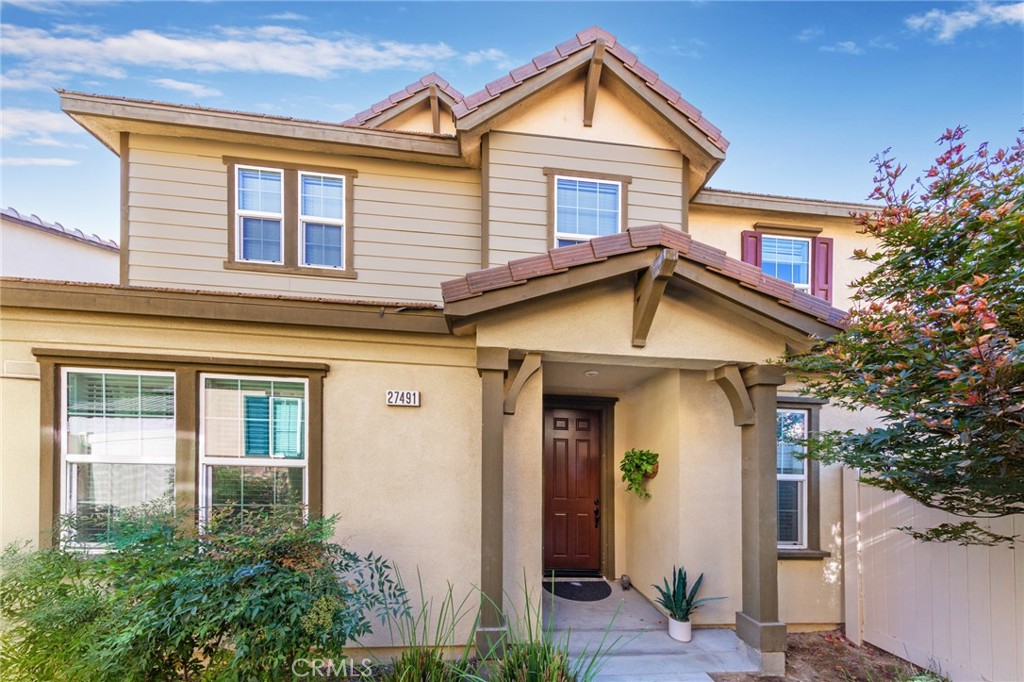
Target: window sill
x=289 y=270
x=805 y=554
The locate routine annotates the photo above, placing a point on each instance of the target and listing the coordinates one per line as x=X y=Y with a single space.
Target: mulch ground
x=830 y=657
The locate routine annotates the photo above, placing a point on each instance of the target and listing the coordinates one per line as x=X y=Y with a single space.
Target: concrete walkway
x=641 y=650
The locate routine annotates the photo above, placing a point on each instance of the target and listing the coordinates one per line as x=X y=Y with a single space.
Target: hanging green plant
x=637 y=467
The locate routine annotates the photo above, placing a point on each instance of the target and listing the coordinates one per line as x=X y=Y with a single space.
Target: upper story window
x=322 y=219
x=290 y=219
x=585 y=209
x=583 y=206
x=794 y=255
x=260 y=209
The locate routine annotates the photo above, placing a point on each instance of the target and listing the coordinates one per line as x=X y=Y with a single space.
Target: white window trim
x=205 y=461
x=69 y=497
x=576 y=237
x=803 y=480
x=303 y=219
x=264 y=215
x=810 y=256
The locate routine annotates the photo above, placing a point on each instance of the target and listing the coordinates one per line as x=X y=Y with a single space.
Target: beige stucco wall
x=693 y=516
x=722 y=227
x=405 y=482
x=414 y=225
x=602 y=321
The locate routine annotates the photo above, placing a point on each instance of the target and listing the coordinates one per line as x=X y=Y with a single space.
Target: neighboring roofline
x=780 y=203
x=400 y=101
x=84 y=106
x=230 y=307
x=58 y=230
x=708 y=267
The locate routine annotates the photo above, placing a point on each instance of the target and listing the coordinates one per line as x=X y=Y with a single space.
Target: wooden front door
x=572 y=490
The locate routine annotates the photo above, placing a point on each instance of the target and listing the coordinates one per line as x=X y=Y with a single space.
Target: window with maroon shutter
x=805 y=262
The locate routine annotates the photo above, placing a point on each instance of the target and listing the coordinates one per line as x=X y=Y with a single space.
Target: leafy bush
x=240 y=601
x=636 y=467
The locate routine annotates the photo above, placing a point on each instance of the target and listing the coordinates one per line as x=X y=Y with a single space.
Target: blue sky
x=806 y=92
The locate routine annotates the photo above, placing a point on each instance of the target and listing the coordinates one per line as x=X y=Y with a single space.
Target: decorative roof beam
x=435 y=109
x=731 y=382
x=529 y=367
x=649 y=291
x=593 y=83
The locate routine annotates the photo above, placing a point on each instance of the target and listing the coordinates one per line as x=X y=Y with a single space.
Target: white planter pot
x=679 y=630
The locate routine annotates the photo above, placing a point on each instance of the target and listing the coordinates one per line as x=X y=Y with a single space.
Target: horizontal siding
x=518 y=188
x=414 y=225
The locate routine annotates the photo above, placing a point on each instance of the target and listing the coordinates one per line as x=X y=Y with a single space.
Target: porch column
x=758 y=623
x=492 y=364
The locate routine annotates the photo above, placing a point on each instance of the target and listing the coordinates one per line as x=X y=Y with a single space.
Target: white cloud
x=843 y=47
x=264 y=49
x=194 y=89
x=946 y=25
x=809 y=34
x=20 y=79
x=35 y=126
x=287 y=16
x=492 y=54
x=35 y=161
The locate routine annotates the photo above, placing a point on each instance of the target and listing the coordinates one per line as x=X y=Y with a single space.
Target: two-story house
x=445 y=320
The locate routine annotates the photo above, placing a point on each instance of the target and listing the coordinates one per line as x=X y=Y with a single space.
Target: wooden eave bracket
x=435 y=109
x=731 y=382
x=593 y=83
x=650 y=289
x=529 y=367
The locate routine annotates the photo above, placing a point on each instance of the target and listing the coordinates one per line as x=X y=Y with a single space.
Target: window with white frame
x=117 y=446
x=586 y=208
x=791 y=471
x=260 y=214
x=322 y=220
x=788 y=258
x=253 y=442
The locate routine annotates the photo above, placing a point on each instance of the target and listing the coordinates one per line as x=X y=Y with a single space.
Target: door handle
x=597 y=517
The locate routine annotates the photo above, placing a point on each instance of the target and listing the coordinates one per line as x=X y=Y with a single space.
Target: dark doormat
x=579 y=590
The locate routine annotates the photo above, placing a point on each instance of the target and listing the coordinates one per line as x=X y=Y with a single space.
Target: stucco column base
x=490 y=641
x=765 y=644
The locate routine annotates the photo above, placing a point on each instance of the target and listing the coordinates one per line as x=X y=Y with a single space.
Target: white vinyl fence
x=958 y=609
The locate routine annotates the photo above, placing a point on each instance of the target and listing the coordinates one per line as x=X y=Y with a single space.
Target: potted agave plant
x=681 y=604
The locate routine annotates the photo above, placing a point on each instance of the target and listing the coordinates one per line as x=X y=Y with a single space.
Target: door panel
x=572 y=478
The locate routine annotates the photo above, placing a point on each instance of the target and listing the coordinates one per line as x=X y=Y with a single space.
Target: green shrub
x=240 y=601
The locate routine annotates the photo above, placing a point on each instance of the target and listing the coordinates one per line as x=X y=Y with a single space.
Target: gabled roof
x=705 y=265
x=591 y=36
x=35 y=222
x=408 y=96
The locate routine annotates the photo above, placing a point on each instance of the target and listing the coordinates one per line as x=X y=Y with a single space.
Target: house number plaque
x=403 y=398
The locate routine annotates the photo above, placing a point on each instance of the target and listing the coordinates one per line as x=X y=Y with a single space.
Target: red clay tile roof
x=393 y=100
x=637 y=239
x=580 y=41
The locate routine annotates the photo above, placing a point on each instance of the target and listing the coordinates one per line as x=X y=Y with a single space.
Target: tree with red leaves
x=935 y=342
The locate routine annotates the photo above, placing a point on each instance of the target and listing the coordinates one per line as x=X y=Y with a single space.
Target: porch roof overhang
x=663 y=261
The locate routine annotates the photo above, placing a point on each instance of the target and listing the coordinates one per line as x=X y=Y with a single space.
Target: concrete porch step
x=656 y=677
